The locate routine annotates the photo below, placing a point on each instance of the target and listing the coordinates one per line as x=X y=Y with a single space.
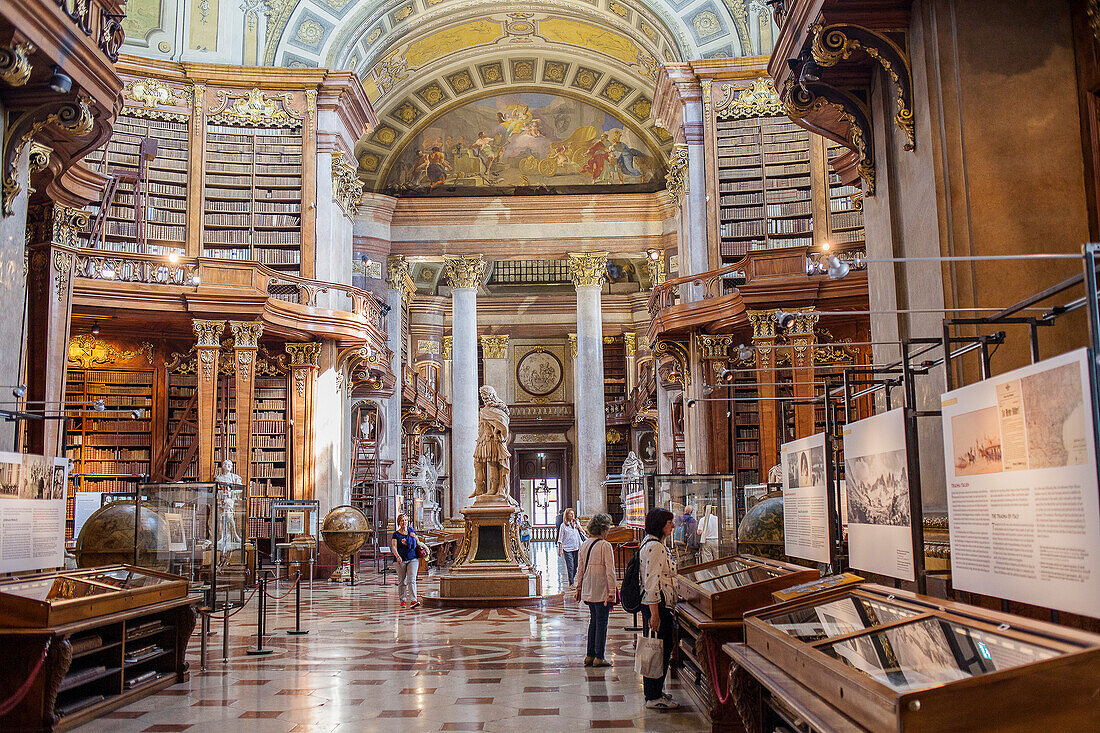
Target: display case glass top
x=727 y=566
x=60 y=588
x=837 y=617
x=724 y=589
x=124 y=577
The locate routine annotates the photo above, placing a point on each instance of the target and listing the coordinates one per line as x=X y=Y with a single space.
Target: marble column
x=494 y=350
x=588 y=270
x=695 y=258
x=397 y=296
x=328 y=433
x=465 y=273
x=664 y=428
x=13 y=294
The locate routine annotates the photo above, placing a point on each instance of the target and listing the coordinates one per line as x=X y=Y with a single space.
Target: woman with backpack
x=596 y=586
x=656 y=570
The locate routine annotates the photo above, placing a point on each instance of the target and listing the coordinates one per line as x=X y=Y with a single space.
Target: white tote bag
x=649 y=656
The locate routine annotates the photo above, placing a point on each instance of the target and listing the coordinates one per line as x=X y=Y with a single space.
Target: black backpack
x=630 y=594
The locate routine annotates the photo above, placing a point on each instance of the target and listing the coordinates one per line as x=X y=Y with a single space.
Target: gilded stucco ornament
x=254 y=108
x=759 y=100
x=630 y=343
x=207 y=333
x=655 y=267
x=573 y=345
x=246 y=334
x=446 y=353
x=303 y=354
x=465 y=271
x=714 y=347
x=676 y=178
x=152 y=93
x=347 y=189
x=15 y=65
x=39 y=156
x=75 y=118
x=86 y=351
x=587 y=268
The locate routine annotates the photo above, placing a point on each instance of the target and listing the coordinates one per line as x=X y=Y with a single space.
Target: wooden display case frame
x=20 y=612
x=1014 y=699
x=734 y=603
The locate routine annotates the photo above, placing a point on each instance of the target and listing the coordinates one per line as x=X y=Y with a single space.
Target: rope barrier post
x=261 y=613
x=298 y=608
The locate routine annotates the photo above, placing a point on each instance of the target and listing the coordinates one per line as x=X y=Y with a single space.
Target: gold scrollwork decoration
x=152 y=93
x=39 y=156
x=86 y=351
x=15 y=65
x=246 y=334
x=714 y=347
x=255 y=108
x=675 y=354
x=347 y=188
x=804 y=100
x=207 y=333
x=835 y=43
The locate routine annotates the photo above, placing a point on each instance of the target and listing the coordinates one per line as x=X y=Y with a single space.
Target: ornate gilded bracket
x=675 y=354
x=676 y=177
x=15 y=66
x=816 y=99
x=833 y=44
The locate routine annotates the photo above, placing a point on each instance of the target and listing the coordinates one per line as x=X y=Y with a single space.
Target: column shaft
x=390 y=440
x=464 y=387
x=591 y=422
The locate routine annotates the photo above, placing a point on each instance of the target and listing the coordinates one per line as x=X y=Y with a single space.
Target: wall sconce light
x=95 y=328
x=60 y=82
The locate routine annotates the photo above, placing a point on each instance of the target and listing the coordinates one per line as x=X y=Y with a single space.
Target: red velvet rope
x=8 y=705
x=294 y=585
x=712 y=665
x=231 y=615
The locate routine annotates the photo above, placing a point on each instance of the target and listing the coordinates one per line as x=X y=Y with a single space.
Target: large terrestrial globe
x=761 y=531
x=345 y=530
x=107 y=537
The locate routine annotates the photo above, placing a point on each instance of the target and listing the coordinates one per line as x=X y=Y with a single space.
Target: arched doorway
x=542 y=486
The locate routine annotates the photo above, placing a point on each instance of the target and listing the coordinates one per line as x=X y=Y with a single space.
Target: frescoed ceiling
x=421 y=59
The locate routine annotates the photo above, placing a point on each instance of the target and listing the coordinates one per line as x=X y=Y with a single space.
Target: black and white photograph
x=806 y=468
x=878 y=489
x=9 y=478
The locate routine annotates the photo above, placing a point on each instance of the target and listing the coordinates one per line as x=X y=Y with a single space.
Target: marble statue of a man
x=228 y=496
x=491 y=457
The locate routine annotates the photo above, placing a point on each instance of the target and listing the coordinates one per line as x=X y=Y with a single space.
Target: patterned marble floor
x=368 y=665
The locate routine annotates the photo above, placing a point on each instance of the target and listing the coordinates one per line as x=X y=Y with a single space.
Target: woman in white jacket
x=656 y=569
x=596 y=586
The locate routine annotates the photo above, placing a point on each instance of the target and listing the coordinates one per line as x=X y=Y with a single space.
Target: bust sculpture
x=227 y=476
x=632 y=466
x=491 y=457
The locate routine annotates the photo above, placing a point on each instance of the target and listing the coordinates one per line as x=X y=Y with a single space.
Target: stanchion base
x=297 y=633
x=257 y=652
x=632 y=628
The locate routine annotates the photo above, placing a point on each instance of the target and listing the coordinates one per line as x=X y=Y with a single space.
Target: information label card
x=876 y=473
x=805 y=503
x=32 y=512
x=1022 y=486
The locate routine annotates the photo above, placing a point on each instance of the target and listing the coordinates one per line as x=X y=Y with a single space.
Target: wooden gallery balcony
x=718 y=301
x=419 y=396
x=156 y=293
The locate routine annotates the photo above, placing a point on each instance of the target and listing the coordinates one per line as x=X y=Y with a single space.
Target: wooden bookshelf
x=253 y=195
x=845 y=205
x=764 y=186
x=269 y=453
x=746 y=432
x=109 y=441
x=182 y=416
x=164 y=189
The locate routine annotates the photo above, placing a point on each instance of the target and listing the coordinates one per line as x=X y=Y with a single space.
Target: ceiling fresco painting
x=525 y=142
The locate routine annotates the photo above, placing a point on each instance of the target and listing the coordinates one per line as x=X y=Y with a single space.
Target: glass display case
x=50 y=599
x=709 y=531
x=892 y=660
x=728 y=587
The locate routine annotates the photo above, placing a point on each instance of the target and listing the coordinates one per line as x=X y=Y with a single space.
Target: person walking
x=569 y=542
x=525 y=532
x=403 y=545
x=656 y=569
x=596 y=586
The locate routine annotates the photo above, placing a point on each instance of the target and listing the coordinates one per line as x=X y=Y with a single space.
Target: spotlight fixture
x=825 y=246
x=18 y=391
x=726 y=376
x=744 y=352
x=99 y=405
x=691 y=403
x=60 y=82
x=138 y=413
x=107 y=272
x=837 y=268
x=195 y=279
x=654 y=254
x=784 y=319
x=173 y=257
x=810 y=73
x=95 y=328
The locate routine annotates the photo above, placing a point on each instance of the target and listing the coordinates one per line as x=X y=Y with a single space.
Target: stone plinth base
x=432 y=600
x=491 y=563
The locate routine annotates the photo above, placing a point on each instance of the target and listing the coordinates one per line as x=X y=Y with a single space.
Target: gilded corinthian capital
x=303 y=354
x=246 y=334
x=587 y=268
x=208 y=333
x=465 y=271
x=494 y=347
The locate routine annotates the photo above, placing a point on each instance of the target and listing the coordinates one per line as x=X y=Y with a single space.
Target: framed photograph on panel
x=805 y=503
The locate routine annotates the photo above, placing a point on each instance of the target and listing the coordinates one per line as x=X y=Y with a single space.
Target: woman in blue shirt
x=403 y=545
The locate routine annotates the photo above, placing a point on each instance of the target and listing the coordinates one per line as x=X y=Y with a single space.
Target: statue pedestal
x=491 y=562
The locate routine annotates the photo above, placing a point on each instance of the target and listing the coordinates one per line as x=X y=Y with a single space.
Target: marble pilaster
x=588 y=270
x=465 y=273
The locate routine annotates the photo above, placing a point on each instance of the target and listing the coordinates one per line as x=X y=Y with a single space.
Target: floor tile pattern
x=368 y=665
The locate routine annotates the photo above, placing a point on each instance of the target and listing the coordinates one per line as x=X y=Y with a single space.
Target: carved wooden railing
x=615 y=410
x=98 y=19
x=188 y=271
x=419 y=391
x=714 y=283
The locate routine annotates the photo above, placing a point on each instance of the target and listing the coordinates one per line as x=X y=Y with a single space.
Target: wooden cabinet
x=90 y=641
x=716 y=595
x=879 y=659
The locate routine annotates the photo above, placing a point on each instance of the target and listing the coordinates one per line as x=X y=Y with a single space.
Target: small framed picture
x=295 y=523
